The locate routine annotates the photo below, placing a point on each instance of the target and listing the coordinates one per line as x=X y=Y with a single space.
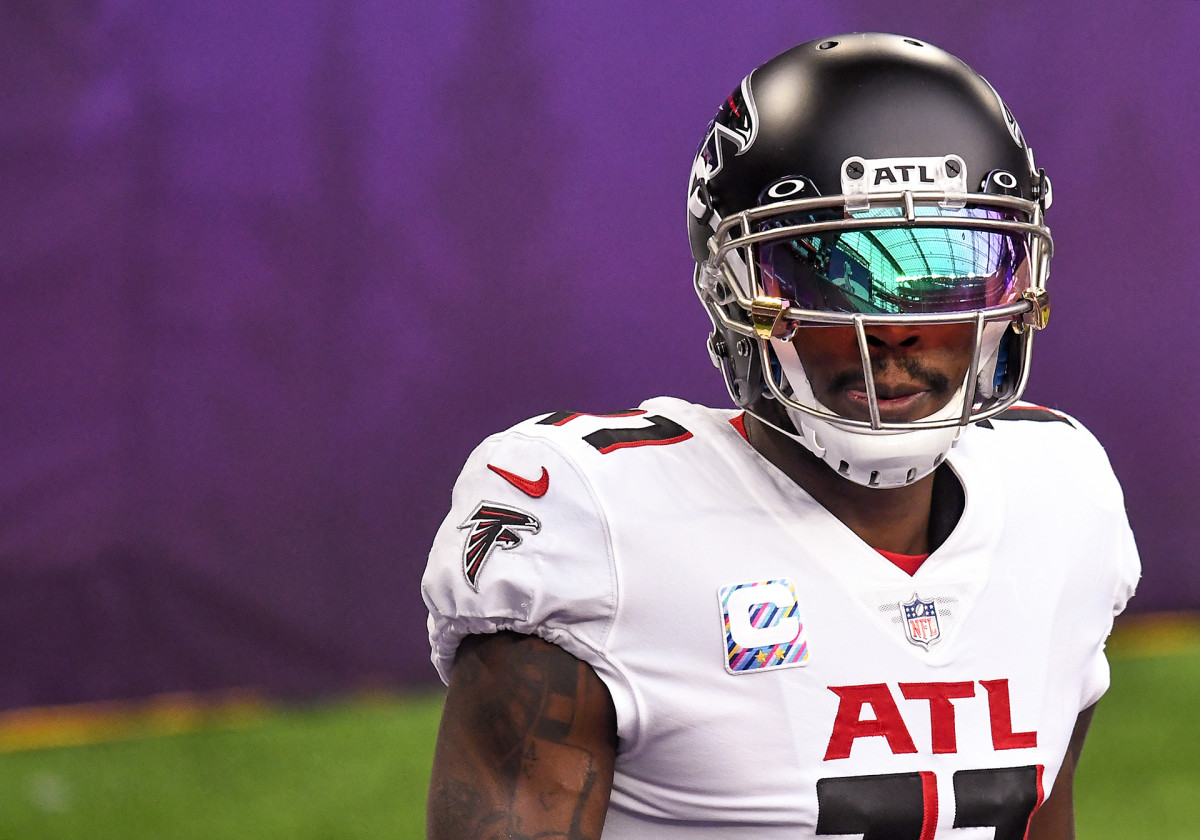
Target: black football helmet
x=863 y=180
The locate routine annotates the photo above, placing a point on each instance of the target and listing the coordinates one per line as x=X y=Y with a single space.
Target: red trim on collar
x=739 y=423
x=907 y=563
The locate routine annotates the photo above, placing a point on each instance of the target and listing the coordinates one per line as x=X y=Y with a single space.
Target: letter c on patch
x=749 y=608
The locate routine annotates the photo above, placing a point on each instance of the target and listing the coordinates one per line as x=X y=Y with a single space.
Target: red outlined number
x=904 y=806
x=660 y=431
x=894 y=806
x=1003 y=797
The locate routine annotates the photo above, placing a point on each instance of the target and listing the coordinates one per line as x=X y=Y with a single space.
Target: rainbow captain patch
x=762 y=626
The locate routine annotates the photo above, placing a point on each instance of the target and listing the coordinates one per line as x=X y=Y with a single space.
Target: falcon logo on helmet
x=492 y=525
x=734 y=128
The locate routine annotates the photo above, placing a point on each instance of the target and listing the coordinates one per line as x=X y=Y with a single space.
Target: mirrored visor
x=896 y=270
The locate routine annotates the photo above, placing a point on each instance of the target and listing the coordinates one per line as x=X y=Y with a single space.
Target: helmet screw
x=743 y=347
x=854 y=169
x=952 y=168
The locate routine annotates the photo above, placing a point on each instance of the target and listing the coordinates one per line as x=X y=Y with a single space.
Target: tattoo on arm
x=526 y=747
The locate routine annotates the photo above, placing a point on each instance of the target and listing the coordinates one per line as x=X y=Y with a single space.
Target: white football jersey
x=774 y=677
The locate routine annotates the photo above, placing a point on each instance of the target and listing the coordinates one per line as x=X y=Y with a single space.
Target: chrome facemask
x=876 y=256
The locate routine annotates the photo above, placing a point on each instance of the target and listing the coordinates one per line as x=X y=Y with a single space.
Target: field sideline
x=176 y=768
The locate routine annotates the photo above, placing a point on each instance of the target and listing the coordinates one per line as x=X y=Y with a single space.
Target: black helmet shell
x=870 y=95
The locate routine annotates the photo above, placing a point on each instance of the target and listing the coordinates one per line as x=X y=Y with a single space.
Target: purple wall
x=271 y=270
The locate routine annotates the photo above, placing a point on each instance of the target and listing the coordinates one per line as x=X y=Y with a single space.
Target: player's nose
x=893 y=336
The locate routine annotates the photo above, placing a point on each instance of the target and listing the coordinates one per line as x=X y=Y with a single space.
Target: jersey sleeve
x=529 y=552
x=1126 y=572
x=1121 y=568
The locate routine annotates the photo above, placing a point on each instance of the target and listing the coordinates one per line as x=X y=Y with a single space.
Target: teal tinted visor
x=897 y=269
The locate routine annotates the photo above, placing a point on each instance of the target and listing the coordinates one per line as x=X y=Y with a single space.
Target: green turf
x=359 y=771
x=346 y=772
x=1140 y=772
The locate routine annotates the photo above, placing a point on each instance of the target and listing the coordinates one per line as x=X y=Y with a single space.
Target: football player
x=872 y=600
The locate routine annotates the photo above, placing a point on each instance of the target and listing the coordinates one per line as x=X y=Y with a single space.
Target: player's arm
x=526 y=745
x=1055 y=820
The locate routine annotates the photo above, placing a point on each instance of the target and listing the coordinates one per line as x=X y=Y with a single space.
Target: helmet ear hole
x=743 y=370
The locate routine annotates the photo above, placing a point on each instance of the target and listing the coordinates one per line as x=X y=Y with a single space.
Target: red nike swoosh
x=537 y=489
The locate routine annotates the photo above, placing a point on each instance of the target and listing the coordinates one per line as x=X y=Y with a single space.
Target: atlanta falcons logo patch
x=492 y=525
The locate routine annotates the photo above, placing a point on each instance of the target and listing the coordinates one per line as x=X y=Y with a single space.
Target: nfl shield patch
x=762 y=626
x=921 y=622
